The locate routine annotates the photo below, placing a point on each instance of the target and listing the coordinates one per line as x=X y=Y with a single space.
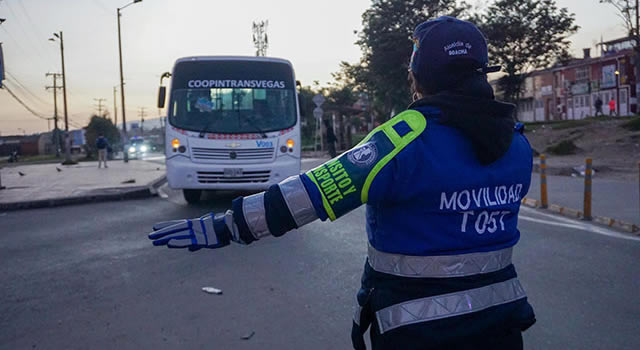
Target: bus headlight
x=175 y=143
x=132 y=149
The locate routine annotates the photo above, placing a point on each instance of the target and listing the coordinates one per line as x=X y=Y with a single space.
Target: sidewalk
x=610 y=198
x=45 y=185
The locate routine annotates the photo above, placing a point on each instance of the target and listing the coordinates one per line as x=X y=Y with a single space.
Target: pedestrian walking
x=598 y=106
x=612 y=107
x=102 y=145
x=442 y=182
x=331 y=139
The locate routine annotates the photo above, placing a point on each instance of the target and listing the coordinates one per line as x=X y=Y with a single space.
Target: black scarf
x=472 y=109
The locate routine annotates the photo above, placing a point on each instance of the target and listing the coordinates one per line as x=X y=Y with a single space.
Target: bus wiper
x=206 y=129
x=262 y=133
x=252 y=123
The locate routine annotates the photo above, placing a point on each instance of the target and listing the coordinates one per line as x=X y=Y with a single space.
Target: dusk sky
x=314 y=35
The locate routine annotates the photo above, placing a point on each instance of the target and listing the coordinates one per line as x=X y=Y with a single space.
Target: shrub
x=633 y=124
x=563 y=148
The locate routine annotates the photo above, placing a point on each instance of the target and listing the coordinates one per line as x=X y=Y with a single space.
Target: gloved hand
x=208 y=231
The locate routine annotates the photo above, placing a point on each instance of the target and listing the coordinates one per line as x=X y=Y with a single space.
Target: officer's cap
x=447 y=47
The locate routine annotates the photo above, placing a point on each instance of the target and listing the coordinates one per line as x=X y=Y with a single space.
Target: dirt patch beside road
x=615 y=149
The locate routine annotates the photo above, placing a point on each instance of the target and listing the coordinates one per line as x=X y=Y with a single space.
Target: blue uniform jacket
x=436 y=181
x=435 y=197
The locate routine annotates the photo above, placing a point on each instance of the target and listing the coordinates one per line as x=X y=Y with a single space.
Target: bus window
x=233 y=110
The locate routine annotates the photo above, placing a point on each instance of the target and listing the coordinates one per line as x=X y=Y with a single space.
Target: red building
x=569 y=91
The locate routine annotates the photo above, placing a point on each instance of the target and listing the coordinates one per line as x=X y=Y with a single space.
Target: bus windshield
x=233 y=110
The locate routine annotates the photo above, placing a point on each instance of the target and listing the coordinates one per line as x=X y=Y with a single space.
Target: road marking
x=574 y=224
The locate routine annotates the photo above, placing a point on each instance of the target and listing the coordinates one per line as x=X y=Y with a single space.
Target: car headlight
x=143 y=148
x=132 y=149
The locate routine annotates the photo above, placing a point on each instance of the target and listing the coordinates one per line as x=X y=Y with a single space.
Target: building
x=40 y=144
x=24 y=145
x=569 y=91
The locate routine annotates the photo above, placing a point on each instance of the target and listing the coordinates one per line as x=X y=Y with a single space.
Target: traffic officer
x=442 y=183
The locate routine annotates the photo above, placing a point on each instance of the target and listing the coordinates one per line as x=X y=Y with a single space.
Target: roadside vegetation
x=563 y=148
x=633 y=124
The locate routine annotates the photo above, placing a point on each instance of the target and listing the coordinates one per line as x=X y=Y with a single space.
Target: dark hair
x=462 y=82
x=414 y=85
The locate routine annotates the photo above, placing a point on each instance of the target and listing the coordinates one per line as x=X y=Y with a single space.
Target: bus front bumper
x=182 y=173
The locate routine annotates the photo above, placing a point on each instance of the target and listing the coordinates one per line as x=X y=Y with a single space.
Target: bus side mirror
x=162 y=95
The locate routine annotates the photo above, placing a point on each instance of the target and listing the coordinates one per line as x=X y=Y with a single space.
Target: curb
x=117 y=194
x=577 y=214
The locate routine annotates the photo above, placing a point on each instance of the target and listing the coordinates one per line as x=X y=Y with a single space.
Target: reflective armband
x=344 y=182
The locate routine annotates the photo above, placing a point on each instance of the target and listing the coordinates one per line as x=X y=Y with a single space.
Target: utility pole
x=142 y=114
x=115 y=107
x=67 y=150
x=124 y=116
x=260 y=39
x=56 y=131
x=67 y=140
x=99 y=101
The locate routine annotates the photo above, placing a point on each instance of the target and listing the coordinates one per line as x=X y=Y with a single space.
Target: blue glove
x=208 y=231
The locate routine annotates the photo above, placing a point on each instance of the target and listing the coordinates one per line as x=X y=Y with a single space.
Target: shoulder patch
x=344 y=182
x=414 y=119
x=416 y=123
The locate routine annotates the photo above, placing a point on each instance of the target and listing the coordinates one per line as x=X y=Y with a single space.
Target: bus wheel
x=192 y=196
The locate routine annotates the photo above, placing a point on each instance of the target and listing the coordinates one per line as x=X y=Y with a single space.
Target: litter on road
x=211 y=290
x=248 y=335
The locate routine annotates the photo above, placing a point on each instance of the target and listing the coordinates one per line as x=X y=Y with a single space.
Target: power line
x=18 y=45
x=25 y=95
x=15 y=79
x=22 y=50
x=33 y=35
x=5 y=87
x=35 y=42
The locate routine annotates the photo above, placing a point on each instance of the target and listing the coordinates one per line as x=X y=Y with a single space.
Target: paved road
x=86 y=277
x=611 y=198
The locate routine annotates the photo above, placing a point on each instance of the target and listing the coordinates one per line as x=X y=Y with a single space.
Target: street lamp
x=124 y=118
x=1 y=68
x=67 y=143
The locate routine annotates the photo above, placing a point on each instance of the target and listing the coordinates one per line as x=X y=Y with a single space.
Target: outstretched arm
x=329 y=191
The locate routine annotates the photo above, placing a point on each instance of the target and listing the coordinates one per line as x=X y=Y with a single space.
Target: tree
x=385 y=41
x=628 y=12
x=306 y=110
x=99 y=125
x=525 y=35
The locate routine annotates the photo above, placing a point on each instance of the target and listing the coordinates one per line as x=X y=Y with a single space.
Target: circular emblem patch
x=364 y=155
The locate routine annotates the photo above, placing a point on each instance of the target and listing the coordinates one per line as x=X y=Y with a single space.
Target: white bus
x=233 y=124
